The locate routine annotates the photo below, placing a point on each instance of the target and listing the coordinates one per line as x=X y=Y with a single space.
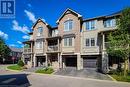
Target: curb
x=112 y=78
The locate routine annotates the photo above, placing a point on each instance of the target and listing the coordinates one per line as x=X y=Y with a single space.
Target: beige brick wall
x=45 y=35
x=75 y=30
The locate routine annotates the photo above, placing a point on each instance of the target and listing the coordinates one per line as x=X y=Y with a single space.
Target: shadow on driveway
x=14 y=80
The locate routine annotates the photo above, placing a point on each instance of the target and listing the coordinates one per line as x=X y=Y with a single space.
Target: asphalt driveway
x=21 y=79
x=85 y=73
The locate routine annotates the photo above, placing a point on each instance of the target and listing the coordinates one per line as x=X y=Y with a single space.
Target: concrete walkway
x=85 y=73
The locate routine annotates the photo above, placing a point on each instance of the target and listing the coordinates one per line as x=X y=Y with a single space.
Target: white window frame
x=67 y=26
x=91 y=25
x=66 y=42
x=110 y=23
x=39 y=32
x=90 y=42
x=39 y=45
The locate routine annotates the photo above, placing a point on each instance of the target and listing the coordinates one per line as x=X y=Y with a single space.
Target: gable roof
x=16 y=49
x=39 y=20
x=68 y=10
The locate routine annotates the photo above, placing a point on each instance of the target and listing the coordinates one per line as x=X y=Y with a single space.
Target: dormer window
x=110 y=23
x=68 y=25
x=40 y=31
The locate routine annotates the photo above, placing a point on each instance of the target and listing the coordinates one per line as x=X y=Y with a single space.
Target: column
x=58 y=45
x=78 y=61
x=46 y=63
x=61 y=63
x=35 y=60
x=58 y=60
x=104 y=56
x=103 y=41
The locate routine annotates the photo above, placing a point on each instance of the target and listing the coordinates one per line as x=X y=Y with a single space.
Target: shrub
x=45 y=71
x=20 y=63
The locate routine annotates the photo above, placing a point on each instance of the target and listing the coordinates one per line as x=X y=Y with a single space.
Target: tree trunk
x=125 y=66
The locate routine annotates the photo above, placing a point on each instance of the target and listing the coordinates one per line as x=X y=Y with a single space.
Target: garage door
x=71 y=62
x=89 y=63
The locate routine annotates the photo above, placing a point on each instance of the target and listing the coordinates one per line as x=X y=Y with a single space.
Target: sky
x=15 y=30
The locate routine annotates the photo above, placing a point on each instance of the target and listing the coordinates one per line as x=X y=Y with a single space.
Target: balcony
x=52 y=48
x=27 y=50
x=54 y=35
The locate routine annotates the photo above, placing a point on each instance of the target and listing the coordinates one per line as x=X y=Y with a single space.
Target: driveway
x=85 y=73
x=20 y=79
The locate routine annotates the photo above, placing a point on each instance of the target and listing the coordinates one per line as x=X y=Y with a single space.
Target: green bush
x=20 y=63
x=45 y=71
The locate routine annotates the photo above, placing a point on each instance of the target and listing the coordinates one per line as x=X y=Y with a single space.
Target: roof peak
x=68 y=9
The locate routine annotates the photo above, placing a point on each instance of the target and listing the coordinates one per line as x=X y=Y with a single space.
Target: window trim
x=68 y=40
x=90 y=42
x=109 y=23
x=88 y=25
x=40 y=43
x=67 y=24
x=39 y=34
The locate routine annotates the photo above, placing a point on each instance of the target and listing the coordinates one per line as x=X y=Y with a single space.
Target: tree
x=4 y=50
x=119 y=40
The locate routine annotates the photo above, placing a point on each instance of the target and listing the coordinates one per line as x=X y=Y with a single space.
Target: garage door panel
x=89 y=63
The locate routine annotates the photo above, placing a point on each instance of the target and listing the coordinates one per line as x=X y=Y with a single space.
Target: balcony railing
x=52 y=48
x=27 y=50
x=54 y=35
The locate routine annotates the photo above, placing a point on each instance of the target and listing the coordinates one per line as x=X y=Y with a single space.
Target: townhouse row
x=74 y=42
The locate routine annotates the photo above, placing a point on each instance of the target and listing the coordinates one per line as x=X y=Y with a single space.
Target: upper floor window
x=55 y=33
x=68 y=25
x=110 y=23
x=90 y=25
x=90 y=42
x=68 y=42
x=39 y=31
x=39 y=44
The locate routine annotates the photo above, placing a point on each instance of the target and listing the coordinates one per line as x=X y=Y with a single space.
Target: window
x=90 y=42
x=90 y=25
x=55 y=33
x=68 y=42
x=68 y=25
x=87 y=42
x=65 y=41
x=39 y=45
x=39 y=31
x=110 y=23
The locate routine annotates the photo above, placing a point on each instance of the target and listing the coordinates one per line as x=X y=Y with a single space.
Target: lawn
x=45 y=71
x=15 y=67
x=121 y=78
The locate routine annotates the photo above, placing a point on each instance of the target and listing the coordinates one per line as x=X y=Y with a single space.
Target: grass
x=121 y=78
x=15 y=67
x=45 y=71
